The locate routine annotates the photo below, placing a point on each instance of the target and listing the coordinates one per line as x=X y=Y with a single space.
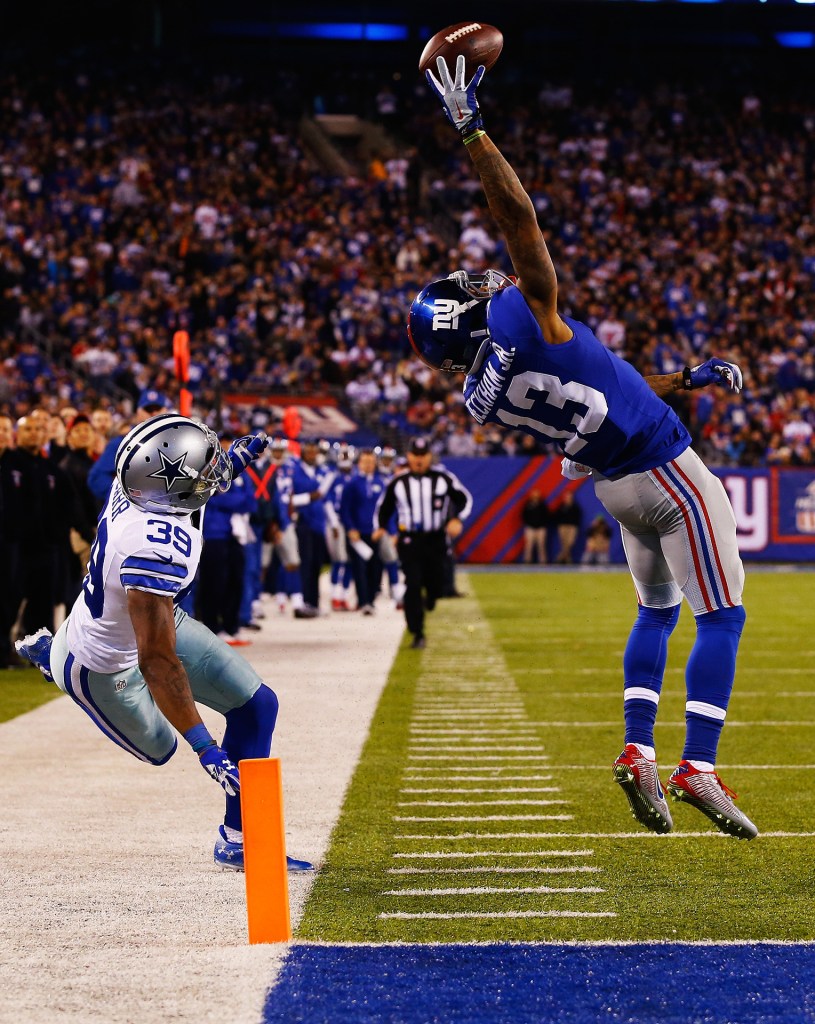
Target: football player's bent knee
x=261 y=708
x=657 y=618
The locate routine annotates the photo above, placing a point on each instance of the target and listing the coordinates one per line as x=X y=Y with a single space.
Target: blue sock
x=248 y=733
x=393 y=573
x=336 y=573
x=709 y=678
x=643 y=668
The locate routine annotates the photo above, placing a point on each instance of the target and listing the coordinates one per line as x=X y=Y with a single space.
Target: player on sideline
x=530 y=369
x=133 y=660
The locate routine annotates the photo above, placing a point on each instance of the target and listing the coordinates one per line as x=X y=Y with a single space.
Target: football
x=480 y=44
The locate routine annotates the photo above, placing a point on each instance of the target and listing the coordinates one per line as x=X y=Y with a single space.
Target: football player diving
x=127 y=654
x=531 y=369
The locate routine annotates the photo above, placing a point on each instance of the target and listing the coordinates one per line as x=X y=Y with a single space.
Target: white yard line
x=480 y=803
x=491 y=789
x=472 y=818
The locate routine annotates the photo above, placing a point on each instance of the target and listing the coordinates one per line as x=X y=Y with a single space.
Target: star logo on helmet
x=171 y=470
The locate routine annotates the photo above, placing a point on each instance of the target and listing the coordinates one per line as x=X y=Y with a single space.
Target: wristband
x=687 y=379
x=467 y=139
x=199 y=738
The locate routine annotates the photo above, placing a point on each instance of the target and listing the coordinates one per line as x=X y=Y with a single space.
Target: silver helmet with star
x=172 y=464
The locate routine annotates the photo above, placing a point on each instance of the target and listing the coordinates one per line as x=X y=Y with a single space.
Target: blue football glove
x=245 y=450
x=217 y=764
x=715 y=371
x=457 y=98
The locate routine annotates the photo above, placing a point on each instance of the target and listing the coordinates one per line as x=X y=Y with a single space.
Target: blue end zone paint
x=516 y=984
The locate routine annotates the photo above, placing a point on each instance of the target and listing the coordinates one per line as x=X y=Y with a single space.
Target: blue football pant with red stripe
x=679 y=536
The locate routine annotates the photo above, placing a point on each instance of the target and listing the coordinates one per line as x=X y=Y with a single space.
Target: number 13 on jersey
x=553 y=391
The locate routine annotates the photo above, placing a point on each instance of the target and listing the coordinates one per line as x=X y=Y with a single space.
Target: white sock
x=701 y=766
x=648 y=752
x=297 y=601
x=233 y=835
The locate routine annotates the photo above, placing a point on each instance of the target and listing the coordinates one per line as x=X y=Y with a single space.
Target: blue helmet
x=447 y=323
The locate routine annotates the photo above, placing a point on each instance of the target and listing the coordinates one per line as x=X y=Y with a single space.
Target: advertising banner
x=774 y=509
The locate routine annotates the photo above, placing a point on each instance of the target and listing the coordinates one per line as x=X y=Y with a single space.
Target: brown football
x=480 y=44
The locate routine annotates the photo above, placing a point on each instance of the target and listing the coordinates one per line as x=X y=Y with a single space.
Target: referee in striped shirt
x=429 y=505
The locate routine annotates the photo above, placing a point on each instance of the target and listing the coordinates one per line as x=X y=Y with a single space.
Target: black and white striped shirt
x=423 y=504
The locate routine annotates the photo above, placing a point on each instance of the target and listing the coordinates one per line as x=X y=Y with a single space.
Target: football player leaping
x=127 y=654
x=531 y=369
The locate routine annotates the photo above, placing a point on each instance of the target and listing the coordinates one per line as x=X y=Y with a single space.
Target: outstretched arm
x=714 y=371
x=515 y=216
x=509 y=204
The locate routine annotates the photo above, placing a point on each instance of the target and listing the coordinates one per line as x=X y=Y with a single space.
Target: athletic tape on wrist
x=467 y=139
x=199 y=738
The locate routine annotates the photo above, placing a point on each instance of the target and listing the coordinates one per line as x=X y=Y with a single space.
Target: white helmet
x=172 y=464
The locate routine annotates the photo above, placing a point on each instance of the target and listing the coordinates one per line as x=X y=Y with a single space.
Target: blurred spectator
x=567 y=516
x=8 y=609
x=598 y=542
x=76 y=464
x=536 y=518
x=220 y=578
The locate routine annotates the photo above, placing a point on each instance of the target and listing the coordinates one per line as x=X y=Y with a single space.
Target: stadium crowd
x=129 y=211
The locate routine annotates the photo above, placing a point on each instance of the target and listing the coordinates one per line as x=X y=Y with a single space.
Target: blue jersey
x=579 y=396
x=359 y=501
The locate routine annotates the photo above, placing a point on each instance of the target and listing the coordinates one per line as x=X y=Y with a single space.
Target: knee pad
x=660 y=618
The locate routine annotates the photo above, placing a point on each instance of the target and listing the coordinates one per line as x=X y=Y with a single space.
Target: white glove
x=574 y=470
x=457 y=97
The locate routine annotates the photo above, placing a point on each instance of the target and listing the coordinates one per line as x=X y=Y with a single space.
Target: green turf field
x=22 y=690
x=483 y=807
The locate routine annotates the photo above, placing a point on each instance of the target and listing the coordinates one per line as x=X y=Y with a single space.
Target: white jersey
x=134 y=550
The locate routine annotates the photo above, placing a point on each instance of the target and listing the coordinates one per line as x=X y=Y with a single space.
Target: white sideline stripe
x=492 y=789
x=789 y=693
x=484 y=817
x=496 y=890
x=481 y=803
x=450 y=855
x=498 y=915
x=493 y=870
